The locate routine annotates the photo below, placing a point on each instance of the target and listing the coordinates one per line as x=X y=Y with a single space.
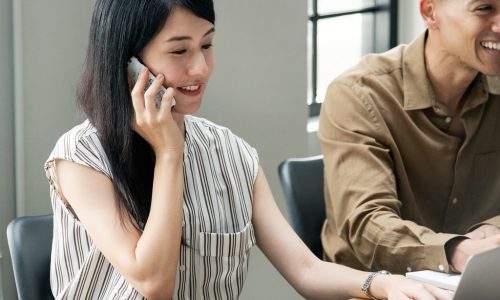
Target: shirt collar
x=418 y=93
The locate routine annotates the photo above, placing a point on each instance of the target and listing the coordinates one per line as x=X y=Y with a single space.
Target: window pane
x=335 y=6
x=341 y=43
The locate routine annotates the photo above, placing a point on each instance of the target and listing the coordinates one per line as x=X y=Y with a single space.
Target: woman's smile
x=190 y=90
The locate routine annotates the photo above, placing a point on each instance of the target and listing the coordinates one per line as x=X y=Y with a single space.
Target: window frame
x=385 y=14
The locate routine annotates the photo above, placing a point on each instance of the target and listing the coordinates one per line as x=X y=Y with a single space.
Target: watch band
x=368 y=282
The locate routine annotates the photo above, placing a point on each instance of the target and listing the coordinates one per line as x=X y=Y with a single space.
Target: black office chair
x=30 y=243
x=302 y=183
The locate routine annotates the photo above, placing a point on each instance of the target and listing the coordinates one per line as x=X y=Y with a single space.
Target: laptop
x=480 y=279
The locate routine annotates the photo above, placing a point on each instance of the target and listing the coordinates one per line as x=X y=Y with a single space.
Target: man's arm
x=361 y=188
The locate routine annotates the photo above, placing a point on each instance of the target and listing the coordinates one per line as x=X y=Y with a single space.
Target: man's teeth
x=191 y=87
x=491 y=45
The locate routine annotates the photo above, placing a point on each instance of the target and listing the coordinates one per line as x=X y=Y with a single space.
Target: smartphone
x=135 y=68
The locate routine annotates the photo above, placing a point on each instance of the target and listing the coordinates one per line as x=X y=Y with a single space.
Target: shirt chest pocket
x=486 y=177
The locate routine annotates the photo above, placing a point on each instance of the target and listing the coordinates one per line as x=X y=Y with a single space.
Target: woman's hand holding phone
x=156 y=125
x=135 y=68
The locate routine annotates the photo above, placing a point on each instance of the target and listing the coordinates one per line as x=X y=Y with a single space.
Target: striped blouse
x=217 y=234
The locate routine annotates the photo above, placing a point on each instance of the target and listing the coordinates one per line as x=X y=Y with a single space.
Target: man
x=411 y=143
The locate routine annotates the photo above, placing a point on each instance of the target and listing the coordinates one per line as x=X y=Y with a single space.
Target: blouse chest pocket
x=224 y=257
x=227 y=244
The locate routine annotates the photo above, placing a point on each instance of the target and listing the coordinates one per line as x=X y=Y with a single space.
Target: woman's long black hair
x=119 y=30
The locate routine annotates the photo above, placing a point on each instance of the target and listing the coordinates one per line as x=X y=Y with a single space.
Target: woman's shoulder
x=81 y=144
x=81 y=130
x=69 y=141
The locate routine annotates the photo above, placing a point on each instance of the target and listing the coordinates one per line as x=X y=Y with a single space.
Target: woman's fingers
x=156 y=125
x=402 y=288
x=152 y=92
x=440 y=294
x=166 y=102
x=420 y=293
x=429 y=292
x=138 y=91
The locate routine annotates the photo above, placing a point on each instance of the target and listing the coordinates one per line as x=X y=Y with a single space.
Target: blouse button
x=182 y=268
x=454 y=201
x=441 y=268
x=408 y=269
x=448 y=120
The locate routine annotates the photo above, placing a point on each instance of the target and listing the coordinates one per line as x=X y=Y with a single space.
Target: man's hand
x=462 y=250
x=483 y=231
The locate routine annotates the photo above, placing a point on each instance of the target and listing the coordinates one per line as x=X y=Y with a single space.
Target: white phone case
x=135 y=68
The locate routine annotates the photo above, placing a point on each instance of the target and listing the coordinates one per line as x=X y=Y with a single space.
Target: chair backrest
x=30 y=243
x=302 y=182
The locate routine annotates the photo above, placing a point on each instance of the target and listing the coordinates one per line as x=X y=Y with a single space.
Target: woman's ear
x=428 y=12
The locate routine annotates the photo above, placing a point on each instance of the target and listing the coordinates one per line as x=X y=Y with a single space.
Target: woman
x=155 y=203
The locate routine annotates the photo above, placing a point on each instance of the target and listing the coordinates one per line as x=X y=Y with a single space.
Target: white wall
x=7 y=196
x=410 y=21
x=49 y=45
